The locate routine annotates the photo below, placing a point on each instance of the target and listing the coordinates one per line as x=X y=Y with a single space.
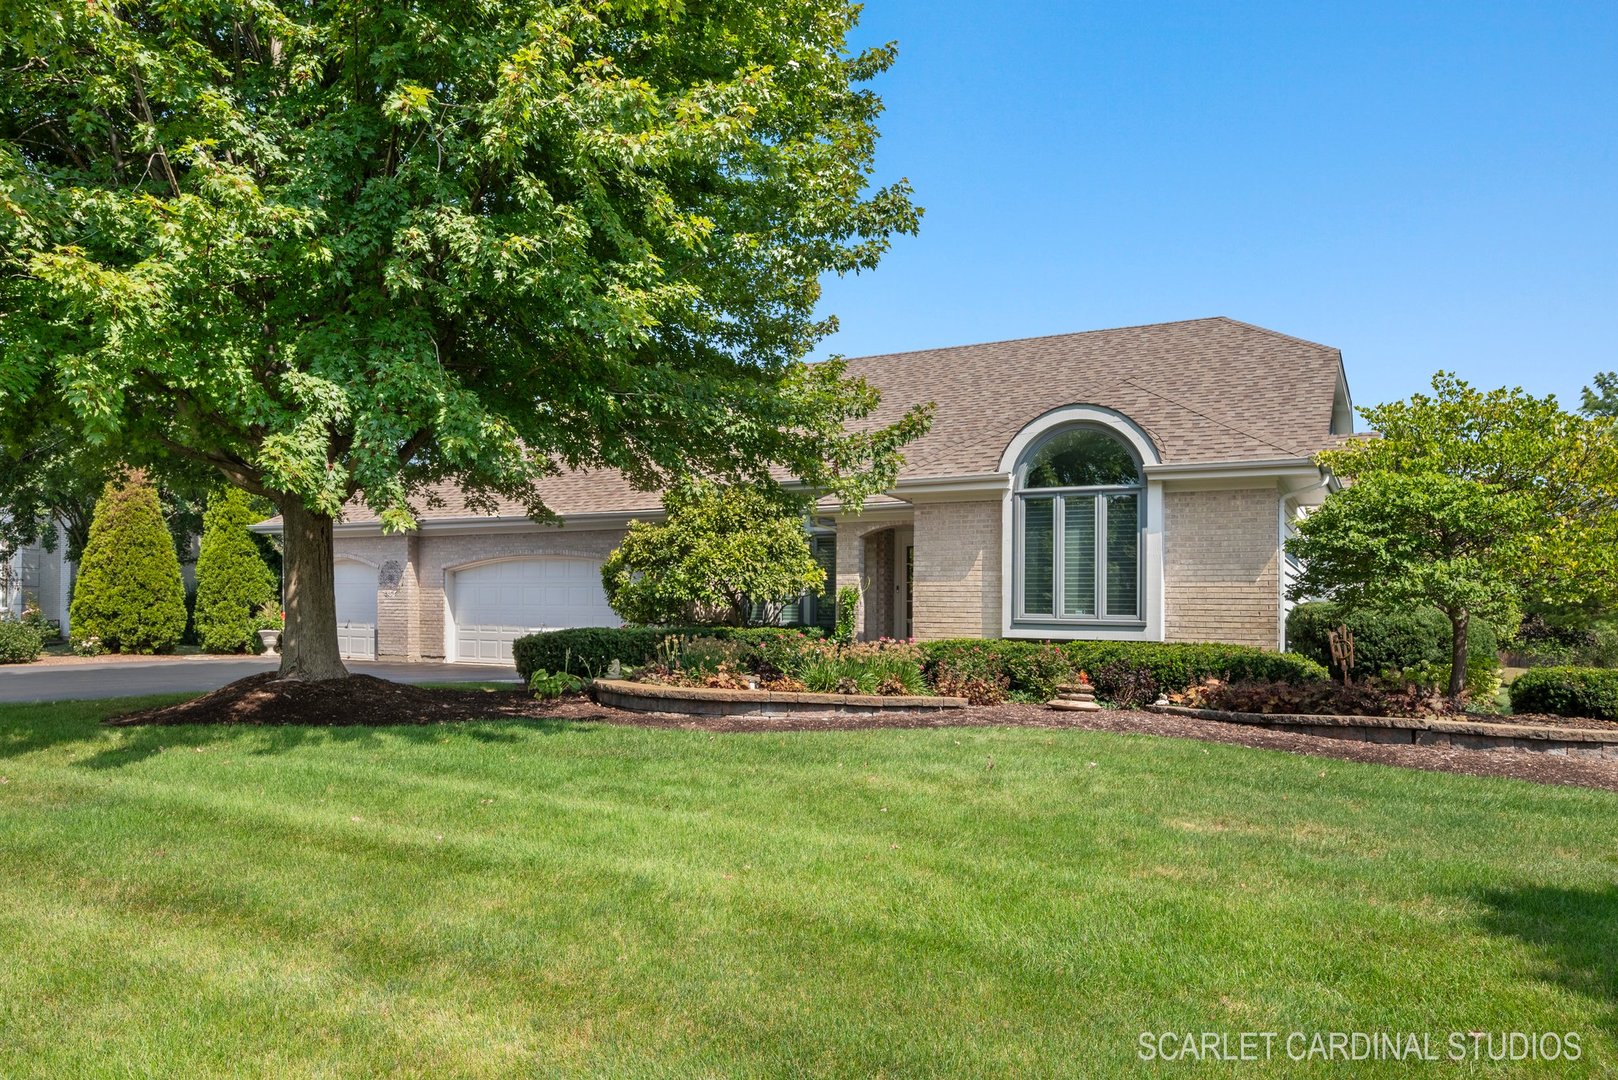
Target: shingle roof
x=1205 y=390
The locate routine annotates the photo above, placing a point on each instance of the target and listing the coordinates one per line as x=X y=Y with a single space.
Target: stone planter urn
x=1076 y=696
x=271 y=640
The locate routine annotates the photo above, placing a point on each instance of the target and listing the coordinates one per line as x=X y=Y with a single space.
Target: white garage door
x=356 y=609
x=495 y=604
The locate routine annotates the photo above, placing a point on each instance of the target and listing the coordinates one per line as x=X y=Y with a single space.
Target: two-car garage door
x=494 y=604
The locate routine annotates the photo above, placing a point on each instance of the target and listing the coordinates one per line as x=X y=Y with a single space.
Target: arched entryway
x=889 y=564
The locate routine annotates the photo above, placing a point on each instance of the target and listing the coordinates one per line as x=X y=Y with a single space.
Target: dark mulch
x=361 y=699
x=356 y=700
x=1539 y=720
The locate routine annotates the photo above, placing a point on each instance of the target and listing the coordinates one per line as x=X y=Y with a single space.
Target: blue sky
x=1423 y=186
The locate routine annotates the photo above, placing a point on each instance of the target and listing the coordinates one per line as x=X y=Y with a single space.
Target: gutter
x=1216 y=469
x=480 y=523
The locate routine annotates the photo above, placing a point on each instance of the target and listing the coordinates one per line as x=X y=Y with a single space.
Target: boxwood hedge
x=1567 y=691
x=588 y=650
x=1124 y=672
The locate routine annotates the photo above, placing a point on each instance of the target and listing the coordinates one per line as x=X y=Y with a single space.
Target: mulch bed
x=363 y=700
x=1539 y=720
x=355 y=701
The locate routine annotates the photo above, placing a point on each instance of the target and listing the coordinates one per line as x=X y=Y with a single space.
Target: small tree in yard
x=728 y=556
x=332 y=251
x=1473 y=502
x=232 y=579
x=129 y=592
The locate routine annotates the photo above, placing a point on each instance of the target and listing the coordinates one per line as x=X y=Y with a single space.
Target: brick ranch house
x=1129 y=484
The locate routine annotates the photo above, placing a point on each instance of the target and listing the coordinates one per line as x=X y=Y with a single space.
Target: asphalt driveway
x=179 y=675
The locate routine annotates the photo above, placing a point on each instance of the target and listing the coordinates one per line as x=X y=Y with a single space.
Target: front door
x=904 y=582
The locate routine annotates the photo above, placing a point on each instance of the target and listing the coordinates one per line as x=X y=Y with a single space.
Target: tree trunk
x=1459 y=621
x=309 y=594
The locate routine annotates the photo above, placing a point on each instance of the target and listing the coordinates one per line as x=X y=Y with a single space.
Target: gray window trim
x=1059 y=496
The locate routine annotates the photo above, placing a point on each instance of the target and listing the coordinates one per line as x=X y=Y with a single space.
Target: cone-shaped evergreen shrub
x=129 y=593
x=232 y=580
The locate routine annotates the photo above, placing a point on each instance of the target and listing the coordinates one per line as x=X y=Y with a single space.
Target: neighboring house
x=1131 y=484
x=36 y=577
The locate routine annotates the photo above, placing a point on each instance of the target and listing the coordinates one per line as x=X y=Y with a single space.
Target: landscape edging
x=709 y=701
x=1462 y=734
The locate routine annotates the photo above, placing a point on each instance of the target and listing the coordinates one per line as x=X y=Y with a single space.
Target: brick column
x=396 y=601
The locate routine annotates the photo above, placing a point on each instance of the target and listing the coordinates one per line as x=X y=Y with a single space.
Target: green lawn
x=535 y=899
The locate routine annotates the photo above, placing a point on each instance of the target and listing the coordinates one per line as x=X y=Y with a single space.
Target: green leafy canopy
x=1473 y=501
x=723 y=555
x=328 y=247
x=1552 y=473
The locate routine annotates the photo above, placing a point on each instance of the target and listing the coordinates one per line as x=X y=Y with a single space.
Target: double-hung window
x=1079 y=502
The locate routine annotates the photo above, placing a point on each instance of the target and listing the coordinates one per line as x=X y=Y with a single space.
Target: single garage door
x=356 y=609
x=495 y=604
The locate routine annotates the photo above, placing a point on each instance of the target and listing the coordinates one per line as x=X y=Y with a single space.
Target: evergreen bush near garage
x=588 y=650
x=1124 y=672
x=21 y=641
x=232 y=580
x=1393 y=641
x=129 y=592
x=1567 y=691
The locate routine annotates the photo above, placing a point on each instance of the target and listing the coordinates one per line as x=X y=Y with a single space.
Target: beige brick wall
x=855 y=564
x=411 y=569
x=438 y=553
x=1221 y=566
x=395 y=593
x=957 y=570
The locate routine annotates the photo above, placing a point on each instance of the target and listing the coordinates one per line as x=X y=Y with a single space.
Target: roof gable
x=1205 y=390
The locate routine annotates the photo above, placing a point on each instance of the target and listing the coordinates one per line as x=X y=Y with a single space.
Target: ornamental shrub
x=232 y=579
x=20 y=640
x=1567 y=691
x=1317 y=699
x=869 y=667
x=1390 y=640
x=723 y=555
x=129 y=592
x=588 y=650
x=1123 y=672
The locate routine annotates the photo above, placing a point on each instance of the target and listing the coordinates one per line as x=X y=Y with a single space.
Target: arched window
x=1079 y=498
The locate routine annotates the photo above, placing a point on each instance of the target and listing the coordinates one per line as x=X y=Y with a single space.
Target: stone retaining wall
x=701 y=701
x=1460 y=734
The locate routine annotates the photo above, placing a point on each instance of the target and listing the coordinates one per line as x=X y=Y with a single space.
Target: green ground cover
x=533 y=898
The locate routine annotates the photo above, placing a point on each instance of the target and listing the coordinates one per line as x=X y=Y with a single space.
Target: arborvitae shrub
x=232 y=580
x=129 y=592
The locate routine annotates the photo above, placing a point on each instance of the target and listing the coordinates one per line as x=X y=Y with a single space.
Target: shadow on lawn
x=29 y=730
x=1573 y=932
x=143 y=742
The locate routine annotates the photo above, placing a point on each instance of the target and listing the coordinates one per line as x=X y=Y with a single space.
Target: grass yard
x=523 y=898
